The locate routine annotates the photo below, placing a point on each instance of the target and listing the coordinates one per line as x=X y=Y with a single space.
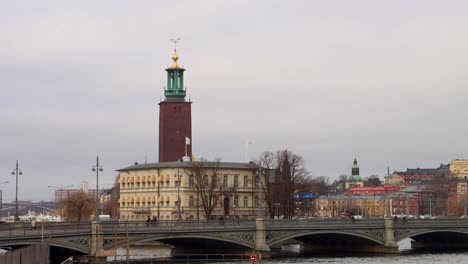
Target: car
x=427 y=216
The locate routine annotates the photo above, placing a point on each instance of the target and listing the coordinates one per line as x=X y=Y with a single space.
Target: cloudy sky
x=383 y=81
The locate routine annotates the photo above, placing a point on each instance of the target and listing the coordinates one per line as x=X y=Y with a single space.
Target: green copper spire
x=175 y=77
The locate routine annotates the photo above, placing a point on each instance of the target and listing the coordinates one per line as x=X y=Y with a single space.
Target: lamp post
x=277 y=205
x=1 y=201
x=60 y=189
x=97 y=168
x=179 y=180
x=16 y=171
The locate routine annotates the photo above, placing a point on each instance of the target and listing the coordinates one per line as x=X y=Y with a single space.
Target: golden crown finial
x=175 y=57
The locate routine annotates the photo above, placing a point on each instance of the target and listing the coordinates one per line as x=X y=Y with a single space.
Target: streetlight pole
x=179 y=179
x=1 y=201
x=60 y=189
x=16 y=171
x=97 y=168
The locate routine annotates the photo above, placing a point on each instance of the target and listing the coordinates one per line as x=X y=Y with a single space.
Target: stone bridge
x=368 y=235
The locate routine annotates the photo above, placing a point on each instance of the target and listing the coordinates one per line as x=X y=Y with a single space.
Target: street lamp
x=179 y=179
x=97 y=168
x=60 y=189
x=16 y=171
x=277 y=205
x=1 y=201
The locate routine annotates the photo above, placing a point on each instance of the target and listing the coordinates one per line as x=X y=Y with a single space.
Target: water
x=406 y=255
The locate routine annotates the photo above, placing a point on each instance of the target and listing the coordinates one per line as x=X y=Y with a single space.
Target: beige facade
x=335 y=206
x=152 y=190
x=395 y=179
x=459 y=167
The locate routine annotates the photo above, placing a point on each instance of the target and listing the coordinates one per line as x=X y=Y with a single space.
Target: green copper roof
x=175 y=79
x=355 y=178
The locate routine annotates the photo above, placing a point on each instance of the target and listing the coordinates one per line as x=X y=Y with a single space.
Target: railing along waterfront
x=324 y=223
x=8 y=231
x=18 y=230
x=175 y=225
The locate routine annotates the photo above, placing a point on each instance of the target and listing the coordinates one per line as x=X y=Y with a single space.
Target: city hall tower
x=175 y=116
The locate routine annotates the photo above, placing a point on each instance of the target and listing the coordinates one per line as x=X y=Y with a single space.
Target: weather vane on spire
x=175 y=40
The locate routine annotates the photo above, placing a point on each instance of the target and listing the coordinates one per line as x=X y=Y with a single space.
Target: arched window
x=257 y=181
x=236 y=200
x=236 y=181
x=256 y=202
x=225 y=181
x=191 y=201
x=191 y=183
x=246 y=201
x=246 y=181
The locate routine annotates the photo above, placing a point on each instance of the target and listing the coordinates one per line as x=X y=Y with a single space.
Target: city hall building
x=168 y=189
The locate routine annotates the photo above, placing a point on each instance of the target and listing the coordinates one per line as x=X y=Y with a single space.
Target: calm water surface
x=406 y=255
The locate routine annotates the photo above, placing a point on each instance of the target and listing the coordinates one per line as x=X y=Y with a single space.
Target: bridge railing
x=325 y=223
x=175 y=225
x=439 y=222
x=46 y=229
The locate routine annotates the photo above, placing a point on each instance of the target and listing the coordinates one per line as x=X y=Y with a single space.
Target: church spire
x=175 y=76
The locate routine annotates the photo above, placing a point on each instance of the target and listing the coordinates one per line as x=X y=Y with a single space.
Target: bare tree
x=372 y=181
x=205 y=178
x=78 y=206
x=288 y=175
x=112 y=205
x=318 y=185
x=438 y=193
x=266 y=161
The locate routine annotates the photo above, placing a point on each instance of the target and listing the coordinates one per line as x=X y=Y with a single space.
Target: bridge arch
x=244 y=241
x=404 y=235
x=375 y=238
x=56 y=243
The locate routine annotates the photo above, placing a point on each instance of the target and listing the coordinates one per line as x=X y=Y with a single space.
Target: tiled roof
x=441 y=169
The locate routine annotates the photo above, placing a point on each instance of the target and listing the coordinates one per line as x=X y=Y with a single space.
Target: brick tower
x=175 y=117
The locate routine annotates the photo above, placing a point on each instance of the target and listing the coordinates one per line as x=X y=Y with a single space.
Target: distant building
x=62 y=194
x=395 y=179
x=459 y=167
x=337 y=205
x=373 y=190
x=419 y=176
x=355 y=180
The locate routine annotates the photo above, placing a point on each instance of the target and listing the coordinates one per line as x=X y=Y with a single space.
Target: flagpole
x=187 y=141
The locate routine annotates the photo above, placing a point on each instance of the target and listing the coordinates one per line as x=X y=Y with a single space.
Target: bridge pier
x=260 y=237
x=390 y=246
x=96 y=243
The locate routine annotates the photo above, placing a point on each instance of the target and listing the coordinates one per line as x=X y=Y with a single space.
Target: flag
x=187 y=141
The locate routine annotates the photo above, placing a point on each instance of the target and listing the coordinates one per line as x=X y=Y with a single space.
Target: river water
x=406 y=255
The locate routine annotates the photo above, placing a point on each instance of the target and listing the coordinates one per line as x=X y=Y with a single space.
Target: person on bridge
x=154 y=220
x=148 y=221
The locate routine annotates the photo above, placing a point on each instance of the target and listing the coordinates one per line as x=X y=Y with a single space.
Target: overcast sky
x=382 y=81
